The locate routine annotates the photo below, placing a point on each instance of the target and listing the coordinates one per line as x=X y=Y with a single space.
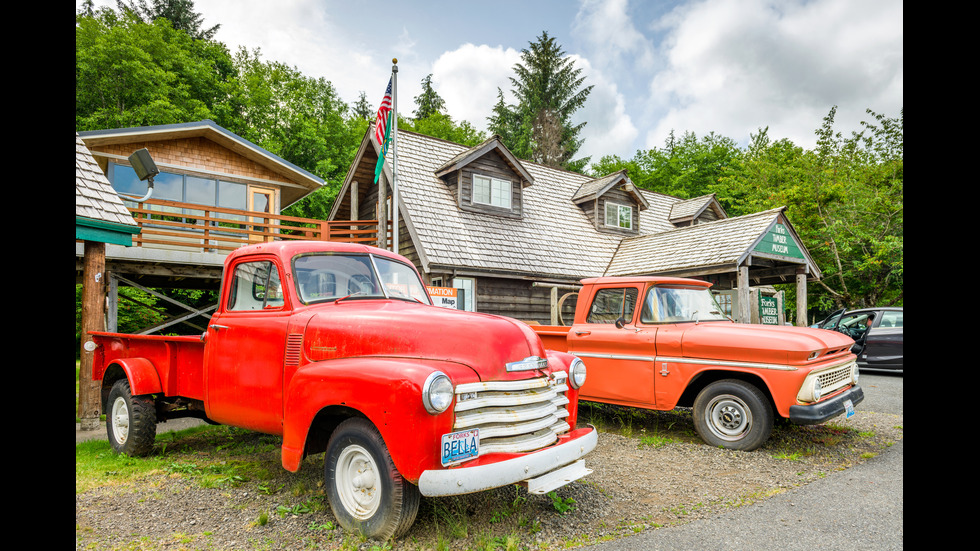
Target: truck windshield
x=328 y=277
x=671 y=304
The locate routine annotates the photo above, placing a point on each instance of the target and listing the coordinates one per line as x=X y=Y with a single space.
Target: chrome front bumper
x=542 y=470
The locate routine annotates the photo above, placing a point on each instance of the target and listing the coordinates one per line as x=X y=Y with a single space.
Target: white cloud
x=736 y=65
x=609 y=129
x=467 y=79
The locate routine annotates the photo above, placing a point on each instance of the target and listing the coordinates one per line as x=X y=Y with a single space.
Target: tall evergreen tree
x=180 y=13
x=361 y=108
x=428 y=103
x=549 y=90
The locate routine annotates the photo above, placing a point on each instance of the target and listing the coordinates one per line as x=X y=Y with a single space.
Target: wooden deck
x=199 y=228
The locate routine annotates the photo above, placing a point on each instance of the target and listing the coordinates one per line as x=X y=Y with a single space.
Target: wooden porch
x=201 y=228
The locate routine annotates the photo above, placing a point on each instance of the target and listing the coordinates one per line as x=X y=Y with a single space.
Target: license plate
x=460 y=446
x=849 y=408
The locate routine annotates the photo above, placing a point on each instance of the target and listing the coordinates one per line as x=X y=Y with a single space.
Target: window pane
x=329 y=277
x=481 y=189
x=124 y=180
x=201 y=191
x=611 y=304
x=231 y=195
x=468 y=285
x=626 y=217
x=255 y=286
x=501 y=193
x=611 y=214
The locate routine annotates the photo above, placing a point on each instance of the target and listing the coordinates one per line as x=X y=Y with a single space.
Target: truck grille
x=835 y=378
x=514 y=416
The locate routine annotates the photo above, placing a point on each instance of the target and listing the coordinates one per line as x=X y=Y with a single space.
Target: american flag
x=381 y=124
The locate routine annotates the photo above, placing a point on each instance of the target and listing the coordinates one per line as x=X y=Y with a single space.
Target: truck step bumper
x=543 y=470
x=557 y=478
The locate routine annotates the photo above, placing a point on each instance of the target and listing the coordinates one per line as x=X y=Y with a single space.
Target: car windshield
x=329 y=277
x=670 y=304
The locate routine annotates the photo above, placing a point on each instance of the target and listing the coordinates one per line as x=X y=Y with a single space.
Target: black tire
x=367 y=493
x=733 y=414
x=131 y=421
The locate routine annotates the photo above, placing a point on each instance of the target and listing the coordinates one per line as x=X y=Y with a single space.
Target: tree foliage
x=180 y=13
x=844 y=198
x=153 y=62
x=429 y=102
x=549 y=90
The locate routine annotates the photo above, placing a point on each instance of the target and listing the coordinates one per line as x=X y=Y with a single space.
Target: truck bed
x=554 y=337
x=179 y=361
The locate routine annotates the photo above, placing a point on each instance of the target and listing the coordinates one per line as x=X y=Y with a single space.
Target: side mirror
x=621 y=322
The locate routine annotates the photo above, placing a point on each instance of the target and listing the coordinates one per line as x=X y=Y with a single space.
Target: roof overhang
x=209 y=130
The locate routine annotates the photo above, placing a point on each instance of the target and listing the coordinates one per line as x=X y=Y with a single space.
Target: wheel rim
x=729 y=418
x=358 y=482
x=120 y=421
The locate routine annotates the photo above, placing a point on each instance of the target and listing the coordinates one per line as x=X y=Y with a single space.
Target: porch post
x=93 y=319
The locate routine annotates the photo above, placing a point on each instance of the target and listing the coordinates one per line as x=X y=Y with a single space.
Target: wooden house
x=515 y=235
x=215 y=192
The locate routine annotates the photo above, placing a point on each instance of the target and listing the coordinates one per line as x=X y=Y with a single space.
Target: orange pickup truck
x=660 y=343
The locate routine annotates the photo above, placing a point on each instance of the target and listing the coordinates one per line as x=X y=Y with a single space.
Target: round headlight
x=856 y=375
x=437 y=393
x=576 y=373
x=817 y=389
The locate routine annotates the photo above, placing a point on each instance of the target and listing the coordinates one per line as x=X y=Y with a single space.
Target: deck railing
x=188 y=226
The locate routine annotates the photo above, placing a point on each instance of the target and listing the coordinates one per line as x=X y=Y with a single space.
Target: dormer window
x=492 y=191
x=619 y=216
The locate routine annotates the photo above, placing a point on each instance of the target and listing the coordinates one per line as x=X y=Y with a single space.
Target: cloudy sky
x=724 y=66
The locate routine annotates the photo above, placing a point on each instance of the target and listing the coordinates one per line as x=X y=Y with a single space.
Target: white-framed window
x=491 y=191
x=619 y=216
x=468 y=286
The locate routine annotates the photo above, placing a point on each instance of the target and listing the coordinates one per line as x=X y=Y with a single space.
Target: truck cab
x=661 y=343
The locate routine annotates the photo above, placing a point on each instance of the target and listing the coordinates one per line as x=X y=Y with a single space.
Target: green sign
x=778 y=241
x=768 y=310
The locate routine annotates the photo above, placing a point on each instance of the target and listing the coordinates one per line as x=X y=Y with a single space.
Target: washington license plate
x=460 y=446
x=848 y=408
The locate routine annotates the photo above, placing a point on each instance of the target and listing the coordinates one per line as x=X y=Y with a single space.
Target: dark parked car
x=877 y=334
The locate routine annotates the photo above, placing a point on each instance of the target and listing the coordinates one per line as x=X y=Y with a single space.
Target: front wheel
x=367 y=493
x=131 y=421
x=733 y=414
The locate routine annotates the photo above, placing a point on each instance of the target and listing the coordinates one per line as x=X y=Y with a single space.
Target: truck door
x=618 y=354
x=245 y=348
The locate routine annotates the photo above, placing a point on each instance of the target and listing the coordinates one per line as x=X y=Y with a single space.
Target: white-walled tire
x=131 y=421
x=733 y=414
x=367 y=494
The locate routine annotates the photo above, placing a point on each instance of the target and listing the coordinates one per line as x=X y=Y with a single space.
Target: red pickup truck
x=659 y=343
x=337 y=348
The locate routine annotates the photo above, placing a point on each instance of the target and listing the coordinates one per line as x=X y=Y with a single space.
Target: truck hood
x=750 y=342
x=394 y=328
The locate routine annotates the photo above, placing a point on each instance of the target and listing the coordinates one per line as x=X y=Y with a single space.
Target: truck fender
x=142 y=375
x=386 y=391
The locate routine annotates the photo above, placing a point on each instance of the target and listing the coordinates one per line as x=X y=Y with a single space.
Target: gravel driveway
x=637 y=487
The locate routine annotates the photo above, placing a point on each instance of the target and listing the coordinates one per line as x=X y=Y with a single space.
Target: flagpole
x=394 y=154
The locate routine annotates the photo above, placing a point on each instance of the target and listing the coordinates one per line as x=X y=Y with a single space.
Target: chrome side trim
x=701 y=361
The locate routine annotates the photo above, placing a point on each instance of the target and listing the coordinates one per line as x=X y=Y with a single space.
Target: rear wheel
x=733 y=414
x=367 y=493
x=131 y=421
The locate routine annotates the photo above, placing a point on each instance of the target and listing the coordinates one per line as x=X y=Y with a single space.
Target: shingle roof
x=555 y=237
x=723 y=242
x=94 y=196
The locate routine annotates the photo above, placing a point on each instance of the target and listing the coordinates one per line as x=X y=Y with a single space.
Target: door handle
x=580 y=333
x=217 y=327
